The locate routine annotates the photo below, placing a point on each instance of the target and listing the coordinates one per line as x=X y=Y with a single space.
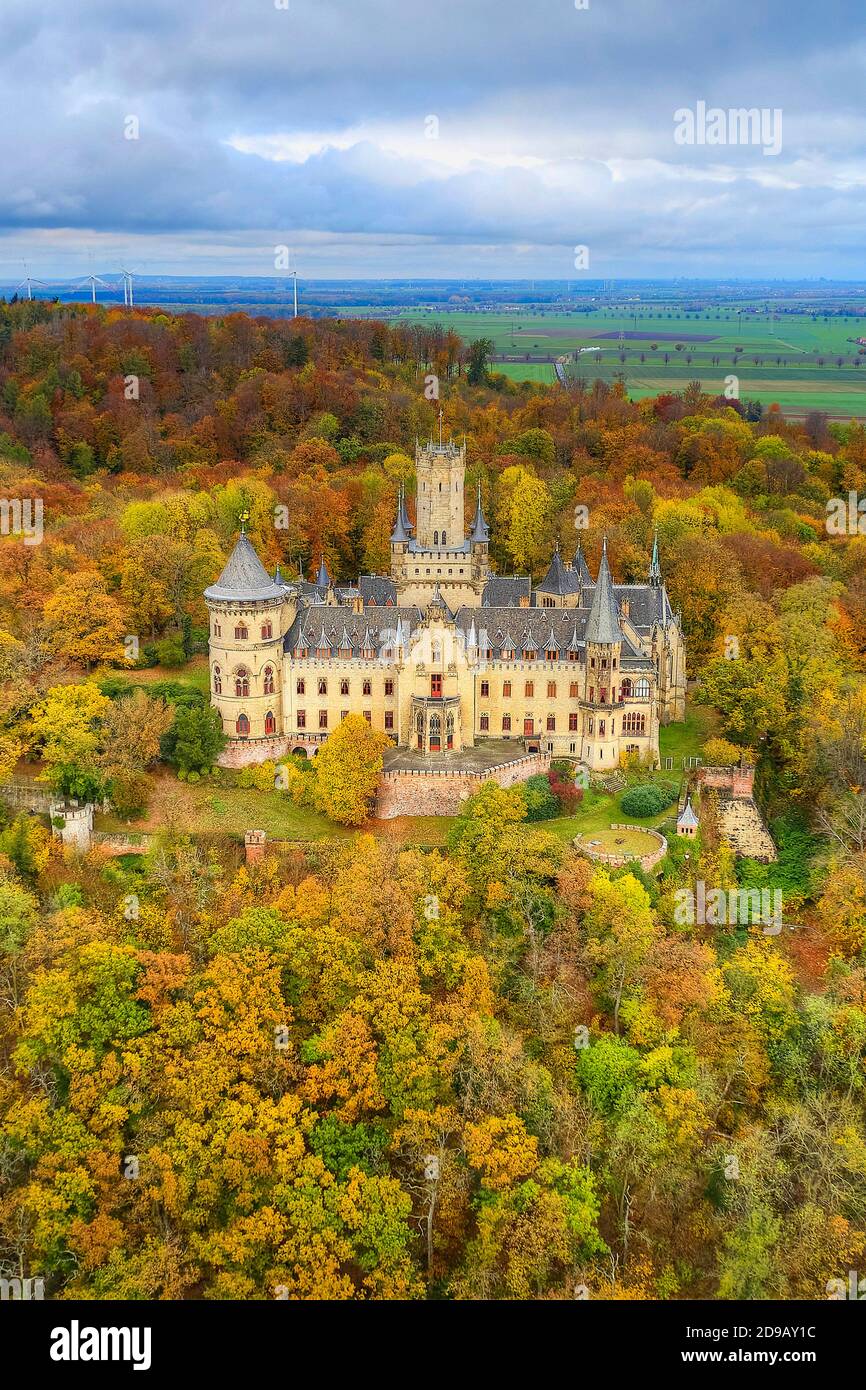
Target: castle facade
x=443 y=655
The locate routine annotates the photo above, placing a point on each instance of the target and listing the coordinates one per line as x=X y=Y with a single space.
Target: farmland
x=801 y=360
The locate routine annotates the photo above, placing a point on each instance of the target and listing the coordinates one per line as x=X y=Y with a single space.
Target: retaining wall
x=435 y=793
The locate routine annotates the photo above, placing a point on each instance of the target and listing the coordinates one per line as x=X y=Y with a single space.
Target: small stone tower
x=250 y=613
x=604 y=640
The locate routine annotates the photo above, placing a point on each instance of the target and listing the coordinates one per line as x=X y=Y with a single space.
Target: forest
x=373 y=1068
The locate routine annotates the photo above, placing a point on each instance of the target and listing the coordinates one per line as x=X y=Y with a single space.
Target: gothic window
x=435 y=733
x=270 y=723
x=389 y=687
x=449 y=731
x=242 y=727
x=217 y=630
x=323 y=686
x=389 y=719
x=551 y=655
x=642 y=689
x=323 y=719
x=367 y=688
x=572 y=723
x=485 y=689
x=242 y=682
x=435 y=537
x=301 y=687
x=241 y=633
x=551 y=723
x=551 y=690
x=529 y=689
x=269 y=680
x=625 y=689
x=302 y=719
x=485 y=723
x=574 y=691
x=267 y=631
x=217 y=681
x=506 y=723
x=344 y=687
x=436 y=685
x=443 y=542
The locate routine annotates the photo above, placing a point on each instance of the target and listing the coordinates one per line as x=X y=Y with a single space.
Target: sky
x=376 y=138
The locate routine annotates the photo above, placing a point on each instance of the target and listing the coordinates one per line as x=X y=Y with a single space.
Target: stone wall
x=647 y=861
x=739 y=781
x=434 y=793
x=243 y=752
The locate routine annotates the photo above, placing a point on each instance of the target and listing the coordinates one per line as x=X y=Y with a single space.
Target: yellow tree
x=348 y=769
x=85 y=623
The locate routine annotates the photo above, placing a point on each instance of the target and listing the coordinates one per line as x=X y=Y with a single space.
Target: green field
x=789 y=359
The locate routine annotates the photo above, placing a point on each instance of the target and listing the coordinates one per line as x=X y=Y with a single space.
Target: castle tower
x=604 y=639
x=440 y=470
x=439 y=552
x=250 y=613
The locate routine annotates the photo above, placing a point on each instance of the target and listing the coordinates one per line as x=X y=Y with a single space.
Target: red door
x=436 y=686
x=527 y=728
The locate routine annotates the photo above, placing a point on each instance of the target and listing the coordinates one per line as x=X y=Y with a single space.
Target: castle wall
x=426 y=793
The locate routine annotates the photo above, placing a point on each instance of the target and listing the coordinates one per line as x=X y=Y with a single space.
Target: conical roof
x=401 y=530
x=244 y=577
x=602 y=625
x=323 y=579
x=480 y=530
x=687 y=816
x=556 y=579
x=580 y=566
x=655 y=573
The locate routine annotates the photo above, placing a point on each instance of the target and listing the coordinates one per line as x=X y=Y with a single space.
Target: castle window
x=548 y=603
x=435 y=731
x=217 y=681
x=551 y=690
x=529 y=689
x=591 y=728
x=301 y=687
x=241 y=633
x=436 y=685
x=323 y=652
x=242 y=727
x=551 y=723
x=506 y=690
x=634 y=724
x=270 y=723
x=242 y=682
x=572 y=723
x=601 y=728
x=444 y=534
x=367 y=688
x=592 y=663
x=507 y=653
x=449 y=731
x=435 y=537
x=603 y=697
x=485 y=689
x=389 y=719
x=267 y=631
x=506 y=723
x=344 y=687
x=389 y=687
x=323 y=686
x=489 y=653
x=344 y=714
x=551 y=655
x=613 y=664
x=573 y=656
x=530 y=654
x=574 y=691
x=591 y=694
x=368 y=716
x=217 y=630
x=604 y=663
x=269 y=680
x=485 y=723
x=323 y=719
x=625 y=689
x=302 y=719
x=642 y=689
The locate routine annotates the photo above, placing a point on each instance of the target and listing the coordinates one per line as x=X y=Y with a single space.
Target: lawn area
x=195 y=674
x=632 y=841
x=686 y=740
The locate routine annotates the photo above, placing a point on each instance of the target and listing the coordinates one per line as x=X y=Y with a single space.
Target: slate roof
x=580 y=566
x=377 y=589
x=502 y=591
x=559 y=580
x=603 y=624
x=480 y=530
x=687 y=816
x=244 y=577
x=324 y=625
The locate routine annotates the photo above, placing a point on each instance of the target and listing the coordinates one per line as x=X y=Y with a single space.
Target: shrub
x=541 y=804
x=647 y=800
x=170 y=651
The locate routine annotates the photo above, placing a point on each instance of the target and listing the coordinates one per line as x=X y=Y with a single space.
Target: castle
x=444 y=656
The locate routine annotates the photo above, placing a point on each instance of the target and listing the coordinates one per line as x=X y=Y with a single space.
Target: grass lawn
x=632 y=841
x=686 y=740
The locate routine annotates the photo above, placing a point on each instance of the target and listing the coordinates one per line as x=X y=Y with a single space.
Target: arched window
x=626 y=688
x=242 y=726
x=241 y=632
x=435 y=733
x=217 y=681
x=449 y=731
x=269 y=680
x=267 y=631
x=444 y=541
x=435 y=537
x=270 y=723
x=642 y=689
x=242 y=682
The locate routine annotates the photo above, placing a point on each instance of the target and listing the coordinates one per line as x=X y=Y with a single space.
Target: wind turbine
x=127 y=287
x=92 y=281
x=29 y=282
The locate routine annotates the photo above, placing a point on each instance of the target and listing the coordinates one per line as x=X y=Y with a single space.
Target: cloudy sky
x=429 y=137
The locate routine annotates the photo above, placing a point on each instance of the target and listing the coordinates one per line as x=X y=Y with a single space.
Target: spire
x=555 y=581
x=400 y=533
x=602 y=625
x=655 y=573
x=581 y=568
x=404 y=513
x=687 y=820
x=323 y=579
x=244 y=576
x=480 y=532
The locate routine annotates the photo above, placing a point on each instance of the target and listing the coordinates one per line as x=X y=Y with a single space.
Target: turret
x=655 y=573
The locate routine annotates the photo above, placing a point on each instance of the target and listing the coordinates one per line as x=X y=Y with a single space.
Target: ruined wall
x=739 y=781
